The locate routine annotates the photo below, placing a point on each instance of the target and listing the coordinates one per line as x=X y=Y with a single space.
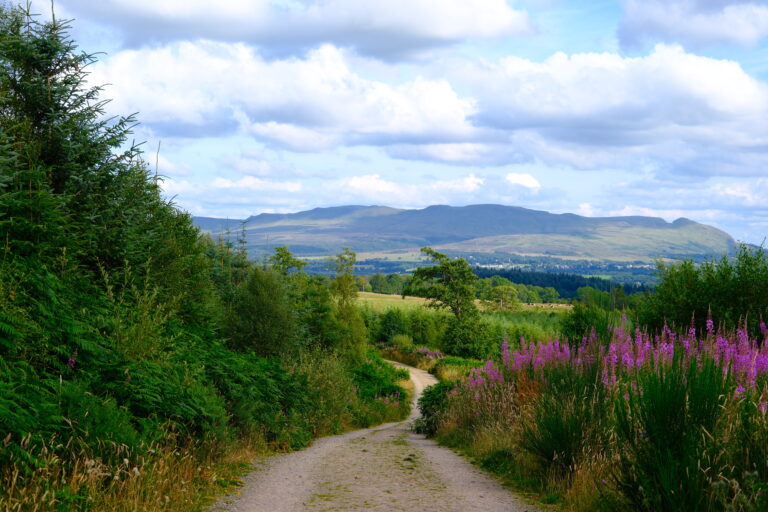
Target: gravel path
x=385 y=468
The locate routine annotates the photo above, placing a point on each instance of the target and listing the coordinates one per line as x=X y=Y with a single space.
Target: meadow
x=380 y=302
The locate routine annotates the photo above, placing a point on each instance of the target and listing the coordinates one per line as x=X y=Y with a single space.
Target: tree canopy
x=448 y=284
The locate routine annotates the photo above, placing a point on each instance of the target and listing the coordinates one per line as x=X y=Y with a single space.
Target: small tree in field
x=501 y=298
x=450 y=284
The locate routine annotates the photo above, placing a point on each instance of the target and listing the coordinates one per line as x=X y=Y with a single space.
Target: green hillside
x=376 y=231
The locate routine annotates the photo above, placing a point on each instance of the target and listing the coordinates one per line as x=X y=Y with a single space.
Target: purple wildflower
x=72 y=361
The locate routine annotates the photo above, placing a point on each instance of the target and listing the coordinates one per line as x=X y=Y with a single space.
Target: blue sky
x=633 y=107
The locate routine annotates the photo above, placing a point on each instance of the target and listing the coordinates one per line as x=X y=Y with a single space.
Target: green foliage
x=390 y=283
x=344 y=287
x=331 y=391
x=500 y=298
x=432 y=403
x=114 y=309
x=353 y=334
x=564 y=420
x=584 y=320
x=449 y=284
x=261 y=318
x=664 y=430
x=375 y=379
x=402 y=342
x=283 y=261
x=426 y=327
x=455 y=367
x=728 y=291
x=392 y=322
x=612 y=300
x=555 y=433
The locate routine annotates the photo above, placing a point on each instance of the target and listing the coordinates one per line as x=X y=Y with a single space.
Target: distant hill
x=384 y=233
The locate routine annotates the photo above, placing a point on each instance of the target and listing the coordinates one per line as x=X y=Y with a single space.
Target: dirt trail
x=385 y=468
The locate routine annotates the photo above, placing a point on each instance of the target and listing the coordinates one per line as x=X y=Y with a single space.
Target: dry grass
x=170 y=479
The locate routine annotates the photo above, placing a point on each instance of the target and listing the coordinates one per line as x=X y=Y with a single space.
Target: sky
x=601 y=108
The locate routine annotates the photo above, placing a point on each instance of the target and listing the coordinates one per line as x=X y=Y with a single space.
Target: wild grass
x=673 y=422
x=163 y=477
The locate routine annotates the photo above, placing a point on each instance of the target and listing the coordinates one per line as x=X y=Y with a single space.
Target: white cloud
x=736 y=205
x=586 y=209
x=374 y=189
x=385 y=29
x=670 y=109
x=252 y=166
x=743 y=194
x=247 y=183
x=460 y=153
x=696 y=22
x=257 y=184
x=306 y=104
x=524 y=180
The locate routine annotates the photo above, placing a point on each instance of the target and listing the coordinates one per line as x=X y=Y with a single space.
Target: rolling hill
x=385 y=233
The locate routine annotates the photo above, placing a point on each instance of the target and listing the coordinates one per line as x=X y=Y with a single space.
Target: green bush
x=730 y=291
x=402 y=342
x=663 y=426
x=376 y=378
x=584 y=320
x=261 y=319
x=391 y=323
x=426 y=327
x=432 y=402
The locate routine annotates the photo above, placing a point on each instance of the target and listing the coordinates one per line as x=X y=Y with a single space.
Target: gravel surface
x=385 y=468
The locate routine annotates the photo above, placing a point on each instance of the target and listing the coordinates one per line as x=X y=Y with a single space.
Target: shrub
x=261 y=319
x=392 y=322
x=426 y=327
x=402 y=342
x=733 y=291
x=432 y=403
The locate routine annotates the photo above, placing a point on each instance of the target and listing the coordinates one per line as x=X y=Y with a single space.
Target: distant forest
x=565 y=284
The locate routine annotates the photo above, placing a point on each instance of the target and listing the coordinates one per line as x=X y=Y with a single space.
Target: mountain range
x=487 y=229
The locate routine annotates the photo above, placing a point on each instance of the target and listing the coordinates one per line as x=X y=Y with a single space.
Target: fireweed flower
x=741 y=359
x=72 y=361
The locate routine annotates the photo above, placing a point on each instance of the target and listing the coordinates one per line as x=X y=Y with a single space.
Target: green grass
x=381 y=302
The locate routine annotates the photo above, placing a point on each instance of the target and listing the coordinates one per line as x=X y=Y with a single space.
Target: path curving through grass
x=384 y=468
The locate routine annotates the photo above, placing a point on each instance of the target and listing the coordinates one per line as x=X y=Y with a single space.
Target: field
x=380 y=302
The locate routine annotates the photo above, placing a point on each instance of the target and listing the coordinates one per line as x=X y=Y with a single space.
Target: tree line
x=132 y=347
